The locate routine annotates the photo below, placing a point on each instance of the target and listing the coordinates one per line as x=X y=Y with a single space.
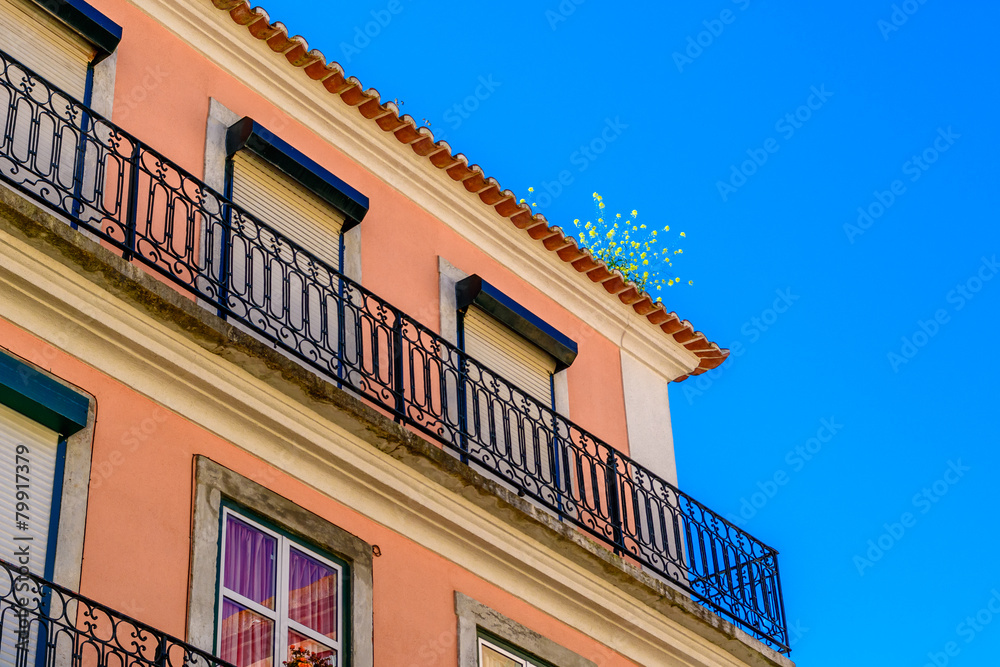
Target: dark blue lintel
x=39 y=397
x=252 y=136
x=517 y=318
x=87 y=22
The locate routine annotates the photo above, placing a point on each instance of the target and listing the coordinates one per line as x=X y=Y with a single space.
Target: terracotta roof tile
x=438 y=153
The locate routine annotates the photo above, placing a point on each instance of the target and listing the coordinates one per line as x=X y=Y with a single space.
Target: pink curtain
x=312 y=594
x=250 y=562
x=247 y=637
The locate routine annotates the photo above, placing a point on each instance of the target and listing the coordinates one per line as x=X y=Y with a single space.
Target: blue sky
x=761 y=129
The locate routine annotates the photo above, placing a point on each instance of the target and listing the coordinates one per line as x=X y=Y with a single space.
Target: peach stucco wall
x=138 y=532
x=162 y=96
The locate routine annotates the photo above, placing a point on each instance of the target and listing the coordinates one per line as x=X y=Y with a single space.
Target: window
x=266 y=588
x=38 y=415
x=491 y=654
x=487 y=638
x=291 y=193
x=513 y=357
x=47 y=140
x=60 y=40
x=509 y=394
x=282 y=272
x=276 y=594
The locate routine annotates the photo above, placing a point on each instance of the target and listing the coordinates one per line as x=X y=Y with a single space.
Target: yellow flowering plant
x=643 y=255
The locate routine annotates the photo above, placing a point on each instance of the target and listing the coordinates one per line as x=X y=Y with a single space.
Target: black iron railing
x=107 y=182
x=45 y=625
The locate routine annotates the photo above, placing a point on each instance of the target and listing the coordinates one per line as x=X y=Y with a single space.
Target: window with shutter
x=504 y=425
x=508 y=388
x=46 y=45
x=285 y=259
x=28 y=468
x=287 y=206
x=37 y=415
x=59 y=41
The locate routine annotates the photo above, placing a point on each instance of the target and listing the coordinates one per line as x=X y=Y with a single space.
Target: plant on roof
x=643 y=255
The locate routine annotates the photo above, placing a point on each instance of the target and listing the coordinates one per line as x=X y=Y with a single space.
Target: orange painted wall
x=137 y=545
x=162 y=96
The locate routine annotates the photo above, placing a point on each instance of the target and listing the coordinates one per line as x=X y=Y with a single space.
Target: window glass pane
x=295 y=640
x=312 y=594
x=250 y=562
x=247 y=637
x=493 y=658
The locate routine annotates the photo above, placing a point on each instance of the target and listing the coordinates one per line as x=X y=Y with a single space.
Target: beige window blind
x=44 y=44
x=509 y=355
x=284 y=204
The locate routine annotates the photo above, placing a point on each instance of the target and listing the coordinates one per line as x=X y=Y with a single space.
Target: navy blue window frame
x=473 y=290
x=248 y=134
x=42 y=399
x=104 y=35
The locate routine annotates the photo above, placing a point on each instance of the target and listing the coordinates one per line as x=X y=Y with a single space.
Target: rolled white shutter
x=284 y=204
x=509 y=355
x=503 y=427
x=38 y=482
x=46 y=45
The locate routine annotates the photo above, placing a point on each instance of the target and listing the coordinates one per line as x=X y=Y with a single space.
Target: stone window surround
x=220 y=119
x=212 y=483
x=474 y=616
x=68 y=562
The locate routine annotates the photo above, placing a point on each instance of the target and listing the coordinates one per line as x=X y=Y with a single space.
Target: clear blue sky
x=904 y=110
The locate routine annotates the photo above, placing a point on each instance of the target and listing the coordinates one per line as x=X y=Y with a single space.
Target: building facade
x=279 y=370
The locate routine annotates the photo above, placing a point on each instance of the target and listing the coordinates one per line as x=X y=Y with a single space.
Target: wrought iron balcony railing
x=103 y=180
x=45 y=625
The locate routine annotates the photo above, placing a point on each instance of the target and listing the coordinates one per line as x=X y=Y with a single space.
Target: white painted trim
x=213 y=33
x=279 y=615
x=647 y=415
x=151 y=357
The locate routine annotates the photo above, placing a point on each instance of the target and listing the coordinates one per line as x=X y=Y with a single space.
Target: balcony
x=109 y=184
x=45 y=625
